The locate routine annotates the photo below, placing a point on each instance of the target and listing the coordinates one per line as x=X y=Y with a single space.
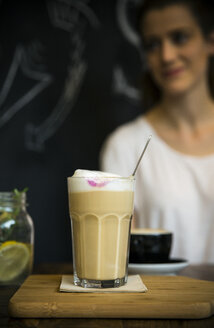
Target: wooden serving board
x=167 y=297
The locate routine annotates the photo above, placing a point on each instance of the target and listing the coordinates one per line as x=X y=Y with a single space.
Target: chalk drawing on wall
x=21 y=62
x=121 y=84
x=66 y=15
x=72 y=17
x=122 y=8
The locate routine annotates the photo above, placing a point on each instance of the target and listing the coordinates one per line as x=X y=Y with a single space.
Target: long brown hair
x=203 y=11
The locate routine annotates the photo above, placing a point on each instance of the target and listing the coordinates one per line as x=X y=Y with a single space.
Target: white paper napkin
x=134 y=285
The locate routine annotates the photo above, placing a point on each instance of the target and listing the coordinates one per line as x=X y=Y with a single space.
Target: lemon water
x=16 y=238
x=16 y=259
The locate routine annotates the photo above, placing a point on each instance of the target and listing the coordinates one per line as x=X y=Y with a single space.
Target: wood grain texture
x=167 y=297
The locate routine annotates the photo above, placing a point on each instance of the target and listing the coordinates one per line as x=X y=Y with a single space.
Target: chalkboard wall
x=69 y=73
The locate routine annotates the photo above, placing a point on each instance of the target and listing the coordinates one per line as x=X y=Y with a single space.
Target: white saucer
x=170 y=268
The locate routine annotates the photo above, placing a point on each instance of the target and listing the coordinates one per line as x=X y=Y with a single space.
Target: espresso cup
x=150 y=245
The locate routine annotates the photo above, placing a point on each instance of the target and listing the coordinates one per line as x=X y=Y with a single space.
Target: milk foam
x=93 y=174
x=97 y=180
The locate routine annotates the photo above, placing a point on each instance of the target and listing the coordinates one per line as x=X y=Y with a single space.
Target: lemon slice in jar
x=14 y=258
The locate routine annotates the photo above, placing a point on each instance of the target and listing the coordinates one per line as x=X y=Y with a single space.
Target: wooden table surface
x=205 y=272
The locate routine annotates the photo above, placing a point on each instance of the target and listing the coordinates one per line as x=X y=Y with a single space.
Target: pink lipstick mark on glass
x=94 y=183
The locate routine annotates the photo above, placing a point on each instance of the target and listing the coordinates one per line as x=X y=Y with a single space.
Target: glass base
x=90 y=283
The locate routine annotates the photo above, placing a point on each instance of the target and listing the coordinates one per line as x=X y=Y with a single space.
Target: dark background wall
x=69 y=72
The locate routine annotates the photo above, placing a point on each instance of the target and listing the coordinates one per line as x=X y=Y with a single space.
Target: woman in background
x=175 y=181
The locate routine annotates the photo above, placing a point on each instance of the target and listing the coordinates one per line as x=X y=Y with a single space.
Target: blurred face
x=176 y=50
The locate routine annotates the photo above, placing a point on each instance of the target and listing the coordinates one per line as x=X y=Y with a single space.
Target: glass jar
x=16 y=238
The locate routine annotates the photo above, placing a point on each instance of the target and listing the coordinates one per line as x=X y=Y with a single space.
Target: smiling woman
x=177 y=53
x=177 y=47
x=174 y=189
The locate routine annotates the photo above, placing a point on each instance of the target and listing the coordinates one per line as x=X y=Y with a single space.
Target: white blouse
x=174 y=191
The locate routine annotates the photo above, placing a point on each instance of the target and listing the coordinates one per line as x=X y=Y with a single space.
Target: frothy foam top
x=97 y=180
x=93 y=174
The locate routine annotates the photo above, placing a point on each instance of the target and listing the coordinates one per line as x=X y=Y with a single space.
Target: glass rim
x=150 y=232
x=103 y=177
x=8 y=196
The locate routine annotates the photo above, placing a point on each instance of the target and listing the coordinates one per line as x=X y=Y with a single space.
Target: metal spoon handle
x=144 y=149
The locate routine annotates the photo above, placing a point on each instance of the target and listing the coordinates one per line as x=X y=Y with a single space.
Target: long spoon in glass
x=143 y=152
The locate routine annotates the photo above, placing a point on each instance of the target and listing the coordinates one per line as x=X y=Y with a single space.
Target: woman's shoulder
x=118 y=151
x=130 y=130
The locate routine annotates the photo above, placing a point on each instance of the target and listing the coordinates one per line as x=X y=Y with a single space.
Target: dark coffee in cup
x=150 y=246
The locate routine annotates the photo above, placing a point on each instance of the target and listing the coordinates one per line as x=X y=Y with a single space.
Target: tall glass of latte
x=101 y=207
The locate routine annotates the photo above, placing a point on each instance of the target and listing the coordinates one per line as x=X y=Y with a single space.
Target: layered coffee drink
x=101 y=206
